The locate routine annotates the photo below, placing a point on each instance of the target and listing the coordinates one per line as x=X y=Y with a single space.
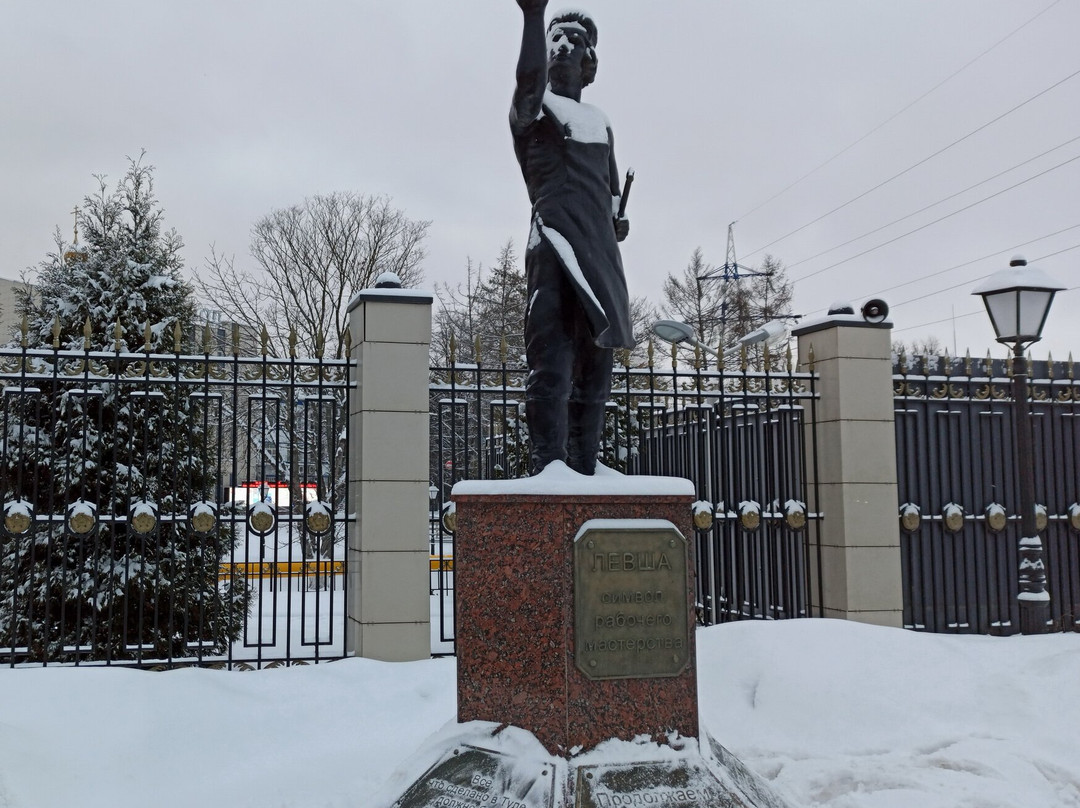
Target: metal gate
x=959 y=497
x=164 y=509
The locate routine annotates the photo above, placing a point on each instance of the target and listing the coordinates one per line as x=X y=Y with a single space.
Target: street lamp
x=1018 y=300
x=674 y=331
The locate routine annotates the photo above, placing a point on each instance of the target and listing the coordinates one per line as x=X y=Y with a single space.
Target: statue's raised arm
x=532 y=64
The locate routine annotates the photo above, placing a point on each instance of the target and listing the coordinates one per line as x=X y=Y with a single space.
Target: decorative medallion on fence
x=18 y=517
x=82 y=517
x=750 y=515
x=144 y=518
x=795 y=514
x=953 y=517
x=261 y=519
x=996 y=518
x=203 y=517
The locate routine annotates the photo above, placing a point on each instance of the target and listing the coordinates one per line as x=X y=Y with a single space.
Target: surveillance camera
x=875 y=311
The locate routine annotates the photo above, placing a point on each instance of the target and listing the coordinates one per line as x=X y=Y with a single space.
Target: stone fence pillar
x=860 y=537
x=388 y=609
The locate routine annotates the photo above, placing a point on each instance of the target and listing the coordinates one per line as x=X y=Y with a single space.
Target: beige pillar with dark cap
x=858 y=560
x=388 y=609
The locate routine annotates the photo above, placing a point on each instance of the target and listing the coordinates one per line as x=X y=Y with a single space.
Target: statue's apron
x=565 y=159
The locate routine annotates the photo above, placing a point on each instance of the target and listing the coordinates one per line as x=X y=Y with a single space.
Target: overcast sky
x=718 y=105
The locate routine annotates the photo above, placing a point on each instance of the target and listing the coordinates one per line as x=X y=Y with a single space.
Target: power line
x=942 y=320
x=1013 y=248
x=972 y=261
x=967 y=282
x=1058 y=252
x=934 y=204
x=936 y=221
x=925 y=160
x=972 y=280
x=898 y=113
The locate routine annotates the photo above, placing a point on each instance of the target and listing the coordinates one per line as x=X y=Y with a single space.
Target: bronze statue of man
x=578 y=310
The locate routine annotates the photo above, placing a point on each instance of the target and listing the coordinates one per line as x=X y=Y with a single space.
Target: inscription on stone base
x=678 y=784
x=631 y=618
x=471 y=777
x=489 y=765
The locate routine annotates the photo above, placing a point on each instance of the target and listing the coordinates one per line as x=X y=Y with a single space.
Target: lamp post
x=1018 y=300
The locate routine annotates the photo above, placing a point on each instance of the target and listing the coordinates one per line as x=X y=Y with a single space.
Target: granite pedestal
x=517 y=647
x=577 y=685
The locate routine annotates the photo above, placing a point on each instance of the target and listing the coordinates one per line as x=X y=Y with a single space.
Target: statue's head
x=569 y=31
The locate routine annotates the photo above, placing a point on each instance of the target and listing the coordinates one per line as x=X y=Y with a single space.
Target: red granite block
x=513 y=570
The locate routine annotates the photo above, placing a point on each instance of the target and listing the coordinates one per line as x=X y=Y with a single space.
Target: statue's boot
x=547 y=432
x=584 y=432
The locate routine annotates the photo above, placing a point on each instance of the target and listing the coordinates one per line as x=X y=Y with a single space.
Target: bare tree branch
x=312 y=258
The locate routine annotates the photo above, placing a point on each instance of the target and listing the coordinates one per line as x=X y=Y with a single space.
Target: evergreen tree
x=490 y=307
x=95 y=444
x=501 y=304
x=701 y=304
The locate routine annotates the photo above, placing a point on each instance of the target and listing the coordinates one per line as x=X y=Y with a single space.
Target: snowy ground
x=834 y=714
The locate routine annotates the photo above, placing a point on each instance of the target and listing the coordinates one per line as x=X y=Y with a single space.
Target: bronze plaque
x=631 y=618
x=675 y=783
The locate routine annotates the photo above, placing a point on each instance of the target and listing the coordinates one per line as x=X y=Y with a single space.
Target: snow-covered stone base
x=484 y=765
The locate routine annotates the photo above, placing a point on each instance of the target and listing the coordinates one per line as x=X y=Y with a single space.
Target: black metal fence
x=959 y=498
x=172 y=509
x=740 y=435
x=169 y=509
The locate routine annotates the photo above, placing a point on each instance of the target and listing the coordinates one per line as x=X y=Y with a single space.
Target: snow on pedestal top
x=558 y=479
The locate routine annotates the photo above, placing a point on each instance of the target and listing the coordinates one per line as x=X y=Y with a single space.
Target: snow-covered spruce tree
x=93 y=444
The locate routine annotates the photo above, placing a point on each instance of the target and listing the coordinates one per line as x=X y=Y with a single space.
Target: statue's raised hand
x=532 y=5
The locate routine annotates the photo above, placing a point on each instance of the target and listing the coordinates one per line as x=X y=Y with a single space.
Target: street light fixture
x=1018 y=300
x=674 y=331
